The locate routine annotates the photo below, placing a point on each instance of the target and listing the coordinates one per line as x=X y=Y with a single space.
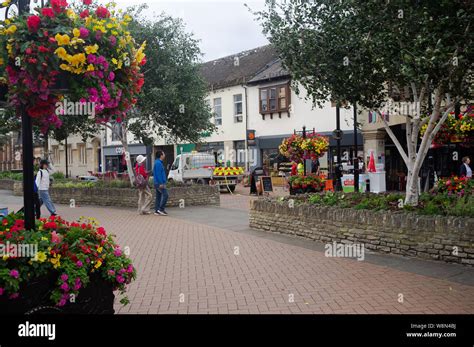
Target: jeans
x=44 y=195
x=161 y=198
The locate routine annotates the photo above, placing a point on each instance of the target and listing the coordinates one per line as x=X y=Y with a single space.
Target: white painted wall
x=322 y=120
x=229 y=130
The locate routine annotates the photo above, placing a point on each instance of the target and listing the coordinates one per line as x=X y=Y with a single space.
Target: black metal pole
x=338 y=166
x=304 y=159
x=27 y=148
x=355 y=160
x=28 y=174
x=66 y=157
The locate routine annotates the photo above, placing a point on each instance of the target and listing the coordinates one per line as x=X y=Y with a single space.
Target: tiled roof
x=275 y=70
x=238 y=68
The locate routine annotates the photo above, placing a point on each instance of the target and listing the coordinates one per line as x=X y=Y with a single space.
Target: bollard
x=367 y=185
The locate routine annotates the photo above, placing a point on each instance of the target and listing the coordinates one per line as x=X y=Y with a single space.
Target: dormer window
x=274 y=99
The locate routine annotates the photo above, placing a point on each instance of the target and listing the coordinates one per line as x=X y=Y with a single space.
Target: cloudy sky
x=224 y=26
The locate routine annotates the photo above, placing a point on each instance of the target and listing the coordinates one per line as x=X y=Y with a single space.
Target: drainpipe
x=247 y=164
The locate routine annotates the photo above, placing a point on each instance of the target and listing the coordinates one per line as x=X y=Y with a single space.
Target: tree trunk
x=412 y=193
x=124 y=139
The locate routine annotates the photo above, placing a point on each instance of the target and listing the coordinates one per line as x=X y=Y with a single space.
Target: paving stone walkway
x=205 y=260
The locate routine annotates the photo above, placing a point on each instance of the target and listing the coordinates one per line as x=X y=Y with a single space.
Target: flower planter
x=34 y=298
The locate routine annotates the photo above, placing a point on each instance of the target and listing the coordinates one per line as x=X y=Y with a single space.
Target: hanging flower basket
x=69 y=267
x=81 y=54
x=297 y=148
x=456 y=129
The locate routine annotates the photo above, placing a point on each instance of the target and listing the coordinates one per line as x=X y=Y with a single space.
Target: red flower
x=43 y=49
x=50 y=225
x=84 y=14
x=47 y=12
x=87 y=2
x=101 y=231
x=33 y=23
x=143 y=62
x=28 y=51
x=58 y=5
x=102 y=12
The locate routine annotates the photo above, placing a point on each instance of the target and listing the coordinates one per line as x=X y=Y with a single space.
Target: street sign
x=251 y=140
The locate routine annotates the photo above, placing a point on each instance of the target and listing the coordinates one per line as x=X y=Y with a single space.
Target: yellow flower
x=76 y=32
x=11 y=30
x=76 y=59
x=41 y=257
x=1 y=61
x=98 y=264
x=5 y=257
x=92 y=49
x=6 y=3
x=61 y=53
x=56 y=261
x=90 y=67
x=62 y=39
x=71 y=14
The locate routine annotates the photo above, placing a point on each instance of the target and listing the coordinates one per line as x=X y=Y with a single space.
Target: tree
x=172 y=102
x=173 y=99
x=375 y=53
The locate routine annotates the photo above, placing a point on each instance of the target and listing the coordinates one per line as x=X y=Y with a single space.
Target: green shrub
x=58 y=176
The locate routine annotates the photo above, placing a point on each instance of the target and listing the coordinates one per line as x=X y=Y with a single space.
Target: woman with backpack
x=42 y=182
x=141 y=182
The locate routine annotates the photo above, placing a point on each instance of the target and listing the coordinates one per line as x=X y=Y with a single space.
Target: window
x=56 y=154
x=117 y=132
x=274 y=99
x=82 y=154
x=238 y=108
x=218 y=111
x=69 y=154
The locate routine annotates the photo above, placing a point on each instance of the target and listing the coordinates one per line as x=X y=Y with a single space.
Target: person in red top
x=144 y=193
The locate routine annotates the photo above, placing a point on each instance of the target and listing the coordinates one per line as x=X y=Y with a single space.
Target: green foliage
x=430 y=204
x=58 y=176
x=17 y=176
x=349 y=50
x=173 y=99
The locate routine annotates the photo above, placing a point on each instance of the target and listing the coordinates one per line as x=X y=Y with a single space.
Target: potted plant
x=70 y=267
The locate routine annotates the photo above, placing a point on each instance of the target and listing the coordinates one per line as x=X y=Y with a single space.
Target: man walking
x=159 y=179
x=42 y=182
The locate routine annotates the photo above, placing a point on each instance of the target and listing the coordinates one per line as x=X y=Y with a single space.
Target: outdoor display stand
x=377 y=182
x=348 y=182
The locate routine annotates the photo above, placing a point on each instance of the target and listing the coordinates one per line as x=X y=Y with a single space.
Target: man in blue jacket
x=159 y=178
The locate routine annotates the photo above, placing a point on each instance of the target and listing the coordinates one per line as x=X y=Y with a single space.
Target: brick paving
x=187 y=267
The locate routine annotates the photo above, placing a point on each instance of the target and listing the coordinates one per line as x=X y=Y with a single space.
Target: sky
x=224 y=27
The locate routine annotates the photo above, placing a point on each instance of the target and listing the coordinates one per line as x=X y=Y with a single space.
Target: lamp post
x=355 y=159
x=338 y=136
x=23 y=7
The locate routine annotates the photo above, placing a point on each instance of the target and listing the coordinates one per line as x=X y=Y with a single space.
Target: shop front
x=115 y=157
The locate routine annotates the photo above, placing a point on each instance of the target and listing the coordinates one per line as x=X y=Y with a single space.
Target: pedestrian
x=315 y=166
x=42 y=182
x=36 y=200
x=465 y=170
x=159 y=180
x=141 y=182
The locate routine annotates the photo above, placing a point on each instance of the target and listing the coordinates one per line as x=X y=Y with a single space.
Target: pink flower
x=83 y=32
x=77 y=286
x=64 y=277
x=65 y=287
x=79 y=263
x=1 y=291
x=113 y=40
x=130 y=269
x=62 y=302
x=111 y=76
x=55 y=237
x=14 y=296
x=111 y=272
x=120 y=279
x=117 y=252
x=14 y=273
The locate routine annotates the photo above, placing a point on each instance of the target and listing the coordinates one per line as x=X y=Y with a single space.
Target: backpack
x=140 y=181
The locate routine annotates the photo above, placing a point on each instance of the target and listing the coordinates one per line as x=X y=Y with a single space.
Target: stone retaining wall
x=450 y=239
x=127 y=197
x=6 y=184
